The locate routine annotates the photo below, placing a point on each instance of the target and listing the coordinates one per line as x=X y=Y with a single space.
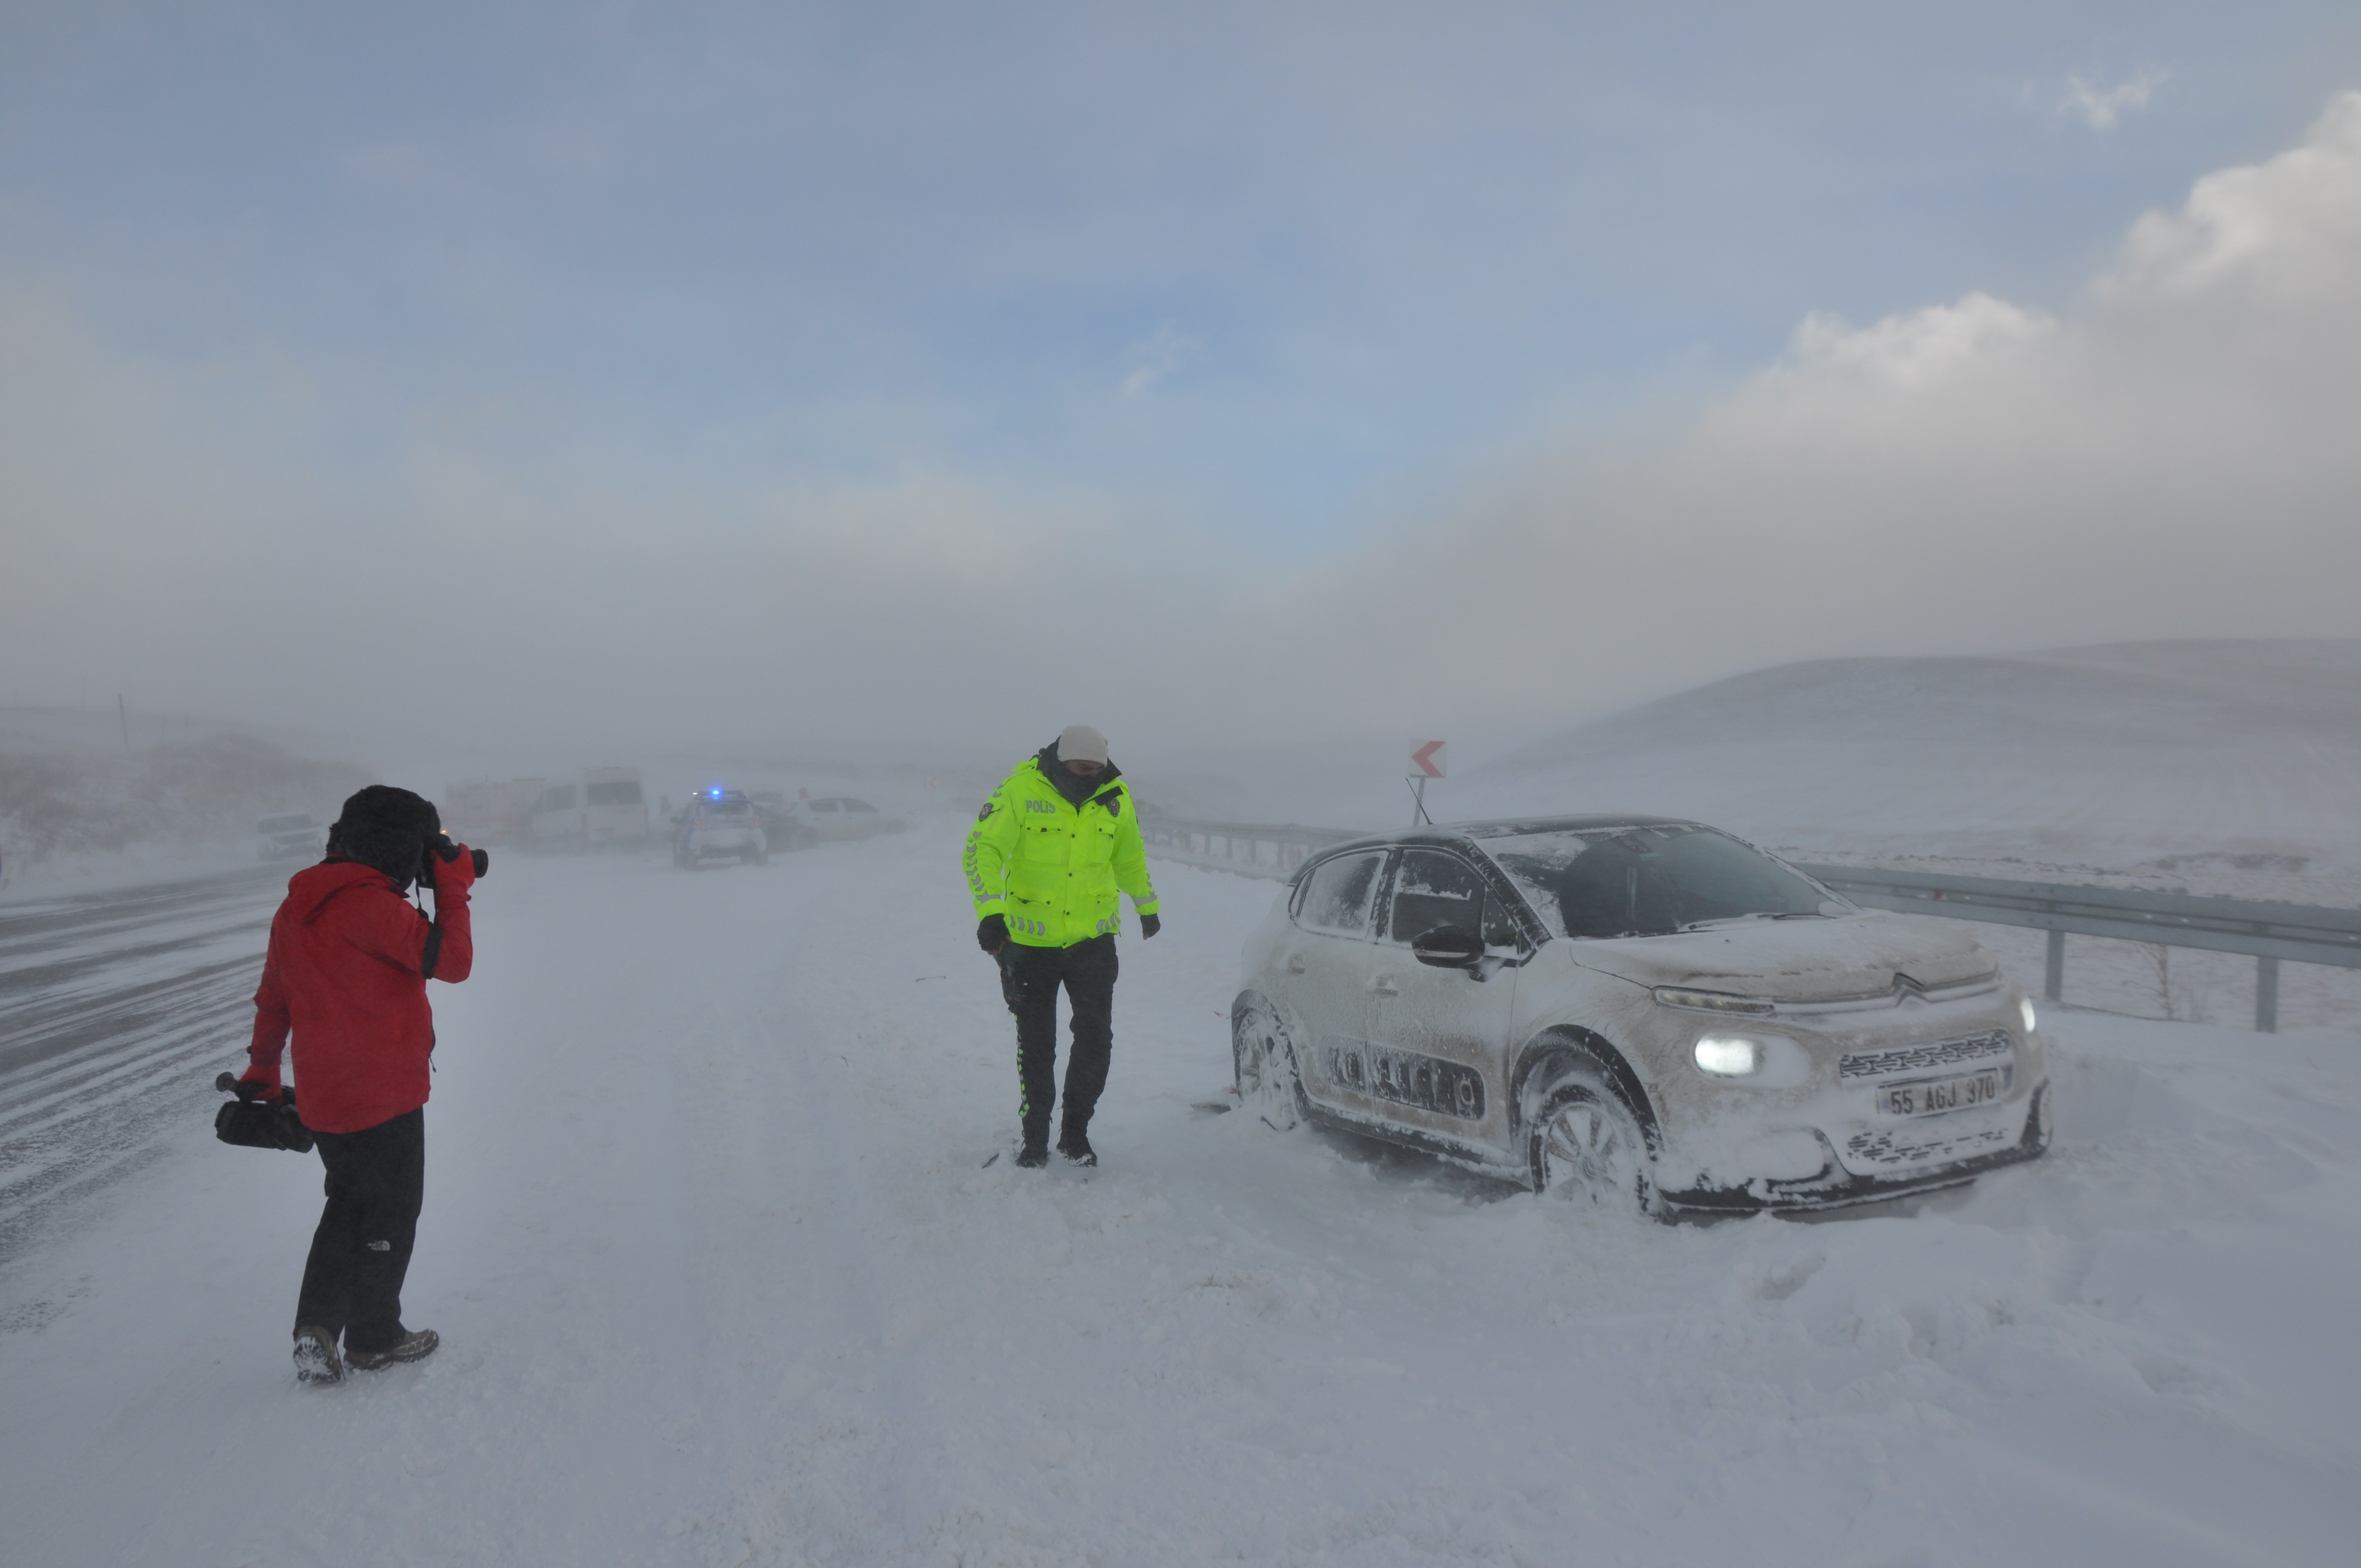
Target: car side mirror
x=1447 y=947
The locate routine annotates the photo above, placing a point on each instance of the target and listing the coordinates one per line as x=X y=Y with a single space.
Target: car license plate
x=1932 y=1096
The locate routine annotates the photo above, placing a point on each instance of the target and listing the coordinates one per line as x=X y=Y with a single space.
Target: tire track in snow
x=101 y=1056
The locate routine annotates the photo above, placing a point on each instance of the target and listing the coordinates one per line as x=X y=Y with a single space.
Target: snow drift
x=722 y=1281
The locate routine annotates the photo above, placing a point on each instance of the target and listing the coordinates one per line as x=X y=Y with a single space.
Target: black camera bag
x=256 y=1124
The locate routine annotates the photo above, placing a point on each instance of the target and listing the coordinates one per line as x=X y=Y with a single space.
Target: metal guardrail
x=2270 y=933
x=1246 y=848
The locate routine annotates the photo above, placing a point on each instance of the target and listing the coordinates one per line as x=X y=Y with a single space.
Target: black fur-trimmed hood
x=385 y=828
x=1077 y=791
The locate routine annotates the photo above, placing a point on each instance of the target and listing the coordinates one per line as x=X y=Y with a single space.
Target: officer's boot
x=1075 y=1143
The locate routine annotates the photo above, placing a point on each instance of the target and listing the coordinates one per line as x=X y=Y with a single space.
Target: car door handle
x=1384 y=986
x=1295 y=963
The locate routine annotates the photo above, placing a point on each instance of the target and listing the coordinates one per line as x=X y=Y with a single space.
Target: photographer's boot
x=315 y=1356
x=415 y=1345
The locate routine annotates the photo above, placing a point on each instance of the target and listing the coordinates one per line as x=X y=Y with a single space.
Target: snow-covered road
x=109 y=1003
x=720 y=1281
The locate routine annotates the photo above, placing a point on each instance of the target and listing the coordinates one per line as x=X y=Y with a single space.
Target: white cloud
x=1158 y=357
x=2172 y=457
x=189 y=535
x=2287 y=230
x=2102 y=107
x=1917 y=348
x=2169 y=455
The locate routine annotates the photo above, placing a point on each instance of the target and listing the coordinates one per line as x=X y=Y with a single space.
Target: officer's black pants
x=376 y=1179
x=1029 y=978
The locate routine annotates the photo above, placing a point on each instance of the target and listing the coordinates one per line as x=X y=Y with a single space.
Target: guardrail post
x=2267 y=997
x=2053 y=974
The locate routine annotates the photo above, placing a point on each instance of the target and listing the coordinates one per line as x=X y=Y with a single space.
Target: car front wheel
x=1262 y=1063
x=1586 y=1148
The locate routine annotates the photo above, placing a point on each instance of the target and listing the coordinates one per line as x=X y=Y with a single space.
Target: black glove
x=992 y=934
x=1148 y=925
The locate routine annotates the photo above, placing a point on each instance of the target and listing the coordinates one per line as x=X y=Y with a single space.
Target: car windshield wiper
x=1756 y=914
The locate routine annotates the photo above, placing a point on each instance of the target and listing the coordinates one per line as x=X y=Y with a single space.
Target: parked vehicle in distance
x=719 y=824
x=490 y=811
x=605 y=810
x=294 y=833
x=1634 y=1011
x=839 y=816
x=779 y=829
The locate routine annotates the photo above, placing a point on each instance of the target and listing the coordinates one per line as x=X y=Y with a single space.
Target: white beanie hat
x=1080 y=744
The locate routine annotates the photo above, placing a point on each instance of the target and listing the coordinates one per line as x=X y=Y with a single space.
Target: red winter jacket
x=349 y=957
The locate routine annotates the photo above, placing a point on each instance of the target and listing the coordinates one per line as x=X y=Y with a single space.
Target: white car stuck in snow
x=1637 y=1010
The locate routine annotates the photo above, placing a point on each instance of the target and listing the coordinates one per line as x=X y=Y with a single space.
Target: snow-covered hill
x=2227 y=766
x=93 y=799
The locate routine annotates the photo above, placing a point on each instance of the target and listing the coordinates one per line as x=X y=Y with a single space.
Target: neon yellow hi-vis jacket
x=1052 y=869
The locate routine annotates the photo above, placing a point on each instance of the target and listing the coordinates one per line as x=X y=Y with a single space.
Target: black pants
x=1029 y=978
x=352 y=1283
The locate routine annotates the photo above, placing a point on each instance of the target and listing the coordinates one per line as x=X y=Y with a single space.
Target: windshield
x=1651 y=880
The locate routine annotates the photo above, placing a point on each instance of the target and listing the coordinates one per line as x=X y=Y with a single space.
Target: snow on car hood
x=1796 y=960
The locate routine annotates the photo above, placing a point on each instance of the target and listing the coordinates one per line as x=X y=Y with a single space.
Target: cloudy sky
x=896 y=374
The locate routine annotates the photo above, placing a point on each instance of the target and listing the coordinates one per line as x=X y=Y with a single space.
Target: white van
x=487 y=812
x=604 y=810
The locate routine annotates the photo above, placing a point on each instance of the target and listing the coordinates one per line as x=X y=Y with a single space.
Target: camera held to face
x=440 y=847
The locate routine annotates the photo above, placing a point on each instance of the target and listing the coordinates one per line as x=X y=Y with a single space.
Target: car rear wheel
x=1587 y=1149
x=1262 y=1063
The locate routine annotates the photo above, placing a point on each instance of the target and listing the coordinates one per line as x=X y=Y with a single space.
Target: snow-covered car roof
x=1463 y=834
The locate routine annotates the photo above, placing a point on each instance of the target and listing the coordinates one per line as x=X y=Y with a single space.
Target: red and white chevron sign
x=1426 y=759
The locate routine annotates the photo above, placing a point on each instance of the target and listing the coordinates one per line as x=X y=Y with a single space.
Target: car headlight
x=2024 y=1010
x=1727 y=1056
x=1712 y=1001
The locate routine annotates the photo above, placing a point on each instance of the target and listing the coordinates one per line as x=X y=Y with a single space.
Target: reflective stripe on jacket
x=1052 y=869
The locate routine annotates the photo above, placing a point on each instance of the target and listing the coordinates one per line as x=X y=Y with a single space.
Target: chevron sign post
x=1425 y=763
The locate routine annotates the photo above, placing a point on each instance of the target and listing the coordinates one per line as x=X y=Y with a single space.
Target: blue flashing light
x=716 y=795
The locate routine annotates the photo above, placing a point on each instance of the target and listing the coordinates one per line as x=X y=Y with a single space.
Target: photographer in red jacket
x=347 y=973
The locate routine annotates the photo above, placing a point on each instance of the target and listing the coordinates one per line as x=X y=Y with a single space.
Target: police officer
x=1044 y=861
